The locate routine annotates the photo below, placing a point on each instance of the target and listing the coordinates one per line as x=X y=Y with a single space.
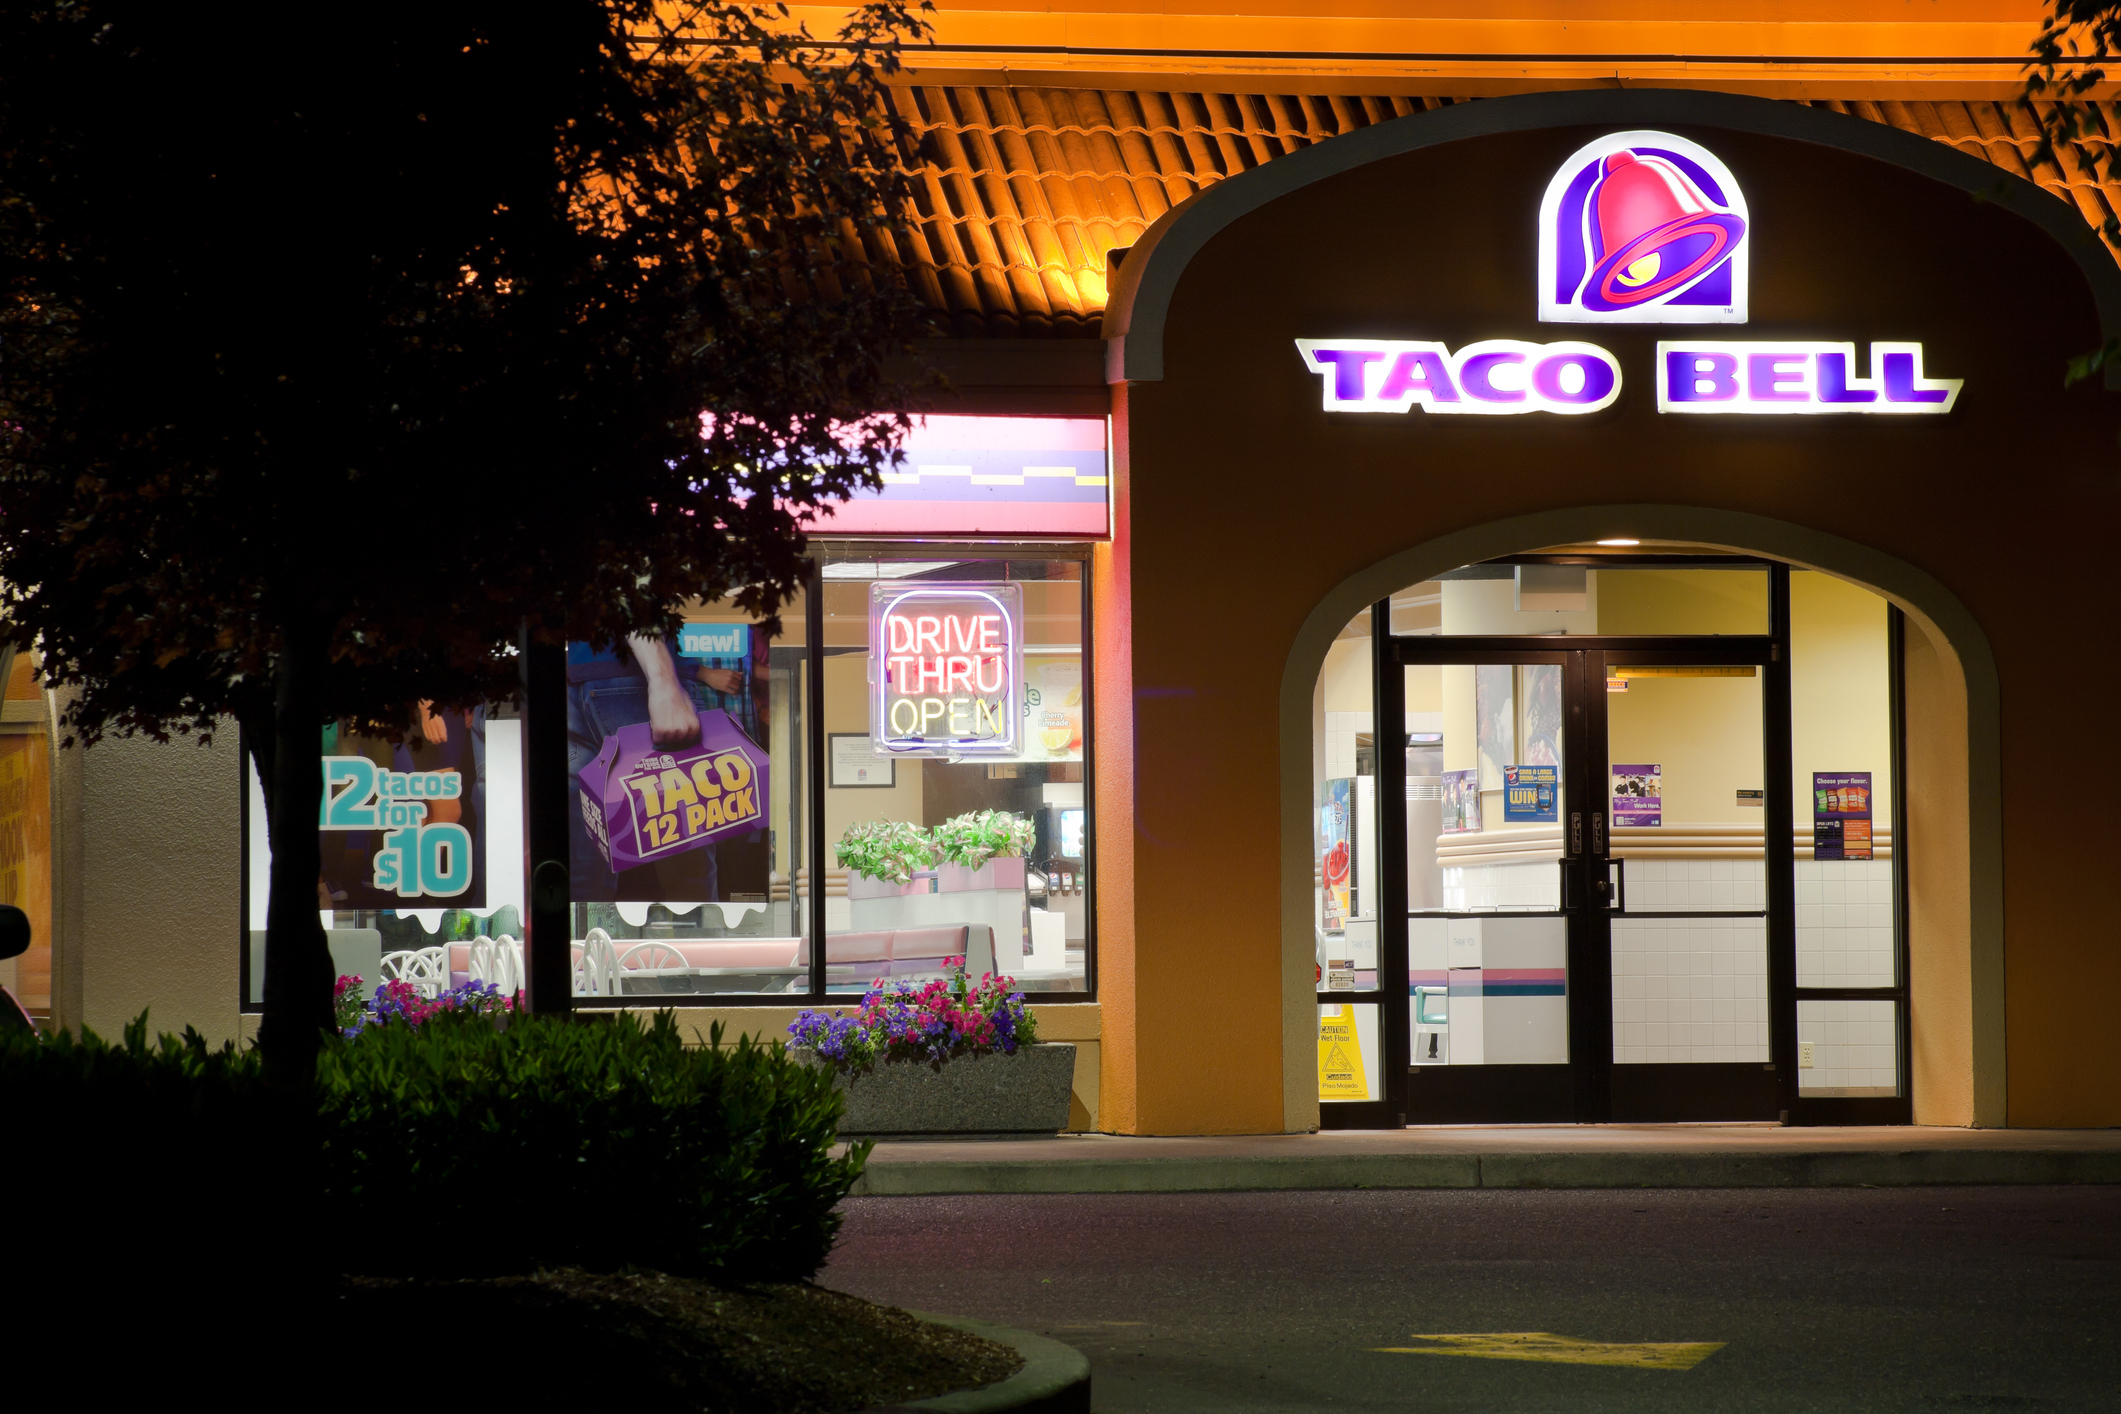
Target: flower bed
x=401 y=1001
x=933 y=1022
x=948 y=1057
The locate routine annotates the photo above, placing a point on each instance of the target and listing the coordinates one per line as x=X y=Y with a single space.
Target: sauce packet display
x=644 y=803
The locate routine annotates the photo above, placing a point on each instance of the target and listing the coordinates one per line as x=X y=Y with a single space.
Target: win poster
x=667 y=753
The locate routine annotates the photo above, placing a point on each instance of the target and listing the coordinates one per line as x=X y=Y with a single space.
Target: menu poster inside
x=1461 y=802
x=1336 y=840
x=1638 y=795
x=1531 y=793
x=1841 y=815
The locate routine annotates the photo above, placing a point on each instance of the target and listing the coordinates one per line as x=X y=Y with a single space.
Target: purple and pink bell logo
x=1642 y=228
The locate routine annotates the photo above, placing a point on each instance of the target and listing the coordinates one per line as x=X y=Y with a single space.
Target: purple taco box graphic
x=644 y=803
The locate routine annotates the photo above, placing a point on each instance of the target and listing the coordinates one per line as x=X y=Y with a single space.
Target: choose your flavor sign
x=1841 y=815
x=643 y=803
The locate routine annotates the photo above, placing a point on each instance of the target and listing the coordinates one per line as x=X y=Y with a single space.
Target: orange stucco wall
x=1247 y=504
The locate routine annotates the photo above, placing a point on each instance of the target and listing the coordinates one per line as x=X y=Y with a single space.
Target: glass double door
x=1579 y=900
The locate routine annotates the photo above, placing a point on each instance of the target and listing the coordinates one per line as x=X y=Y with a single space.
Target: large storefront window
x=685 y=849
x=957 y=815
x=957 y=828
x=419 y=842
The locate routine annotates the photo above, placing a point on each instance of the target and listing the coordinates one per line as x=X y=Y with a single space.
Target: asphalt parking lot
x=1586 y=1300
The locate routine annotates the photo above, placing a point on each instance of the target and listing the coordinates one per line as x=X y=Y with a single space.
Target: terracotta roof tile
x=1023 y=193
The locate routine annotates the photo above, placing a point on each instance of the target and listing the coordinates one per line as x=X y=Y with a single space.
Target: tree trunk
x=298 y=967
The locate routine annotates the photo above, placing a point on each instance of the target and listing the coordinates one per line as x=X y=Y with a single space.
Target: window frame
x=816 y=779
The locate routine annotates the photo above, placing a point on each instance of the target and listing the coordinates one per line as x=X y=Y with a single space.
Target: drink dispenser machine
x=1424 y=819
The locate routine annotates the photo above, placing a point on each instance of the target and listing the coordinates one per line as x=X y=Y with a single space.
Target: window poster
x=1336 y=842
x=666 y=746
x=1841 y=814
x=1539 y=714
x=1531 y=794
x=1495 y=720
x=1461 y=802
x=1638 y=795
x=1053 y=707
x=403 y=825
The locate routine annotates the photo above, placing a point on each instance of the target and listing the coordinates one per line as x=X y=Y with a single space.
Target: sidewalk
x=1536 y=1156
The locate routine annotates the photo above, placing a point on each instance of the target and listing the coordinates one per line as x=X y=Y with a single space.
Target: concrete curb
x=1705 y=1169
x=1055 y=1378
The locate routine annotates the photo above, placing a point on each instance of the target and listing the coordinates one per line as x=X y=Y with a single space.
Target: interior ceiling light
x=1620 y=542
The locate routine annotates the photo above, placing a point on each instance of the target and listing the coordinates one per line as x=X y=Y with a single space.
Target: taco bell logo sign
x=1643 y=228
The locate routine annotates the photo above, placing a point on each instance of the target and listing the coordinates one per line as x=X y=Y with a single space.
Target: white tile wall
x=1689 y=990
x=1845 y=923
x=1534 y=884
x=1695 y=885
x=1341 y=728
x=1854 y=1051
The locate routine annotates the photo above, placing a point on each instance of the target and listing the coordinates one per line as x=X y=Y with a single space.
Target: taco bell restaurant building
x=1550 y=608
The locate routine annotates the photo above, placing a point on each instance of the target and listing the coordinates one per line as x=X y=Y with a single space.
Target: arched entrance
x=1288 y=348
x=1557 y=962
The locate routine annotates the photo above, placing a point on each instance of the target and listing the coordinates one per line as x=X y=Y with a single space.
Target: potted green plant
x=889 y=864
x=982 y=865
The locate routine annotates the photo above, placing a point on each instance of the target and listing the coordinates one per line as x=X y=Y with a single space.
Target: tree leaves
x=405 y=320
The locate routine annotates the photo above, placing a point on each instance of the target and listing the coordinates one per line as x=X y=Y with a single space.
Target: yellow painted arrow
x=1563 y=1349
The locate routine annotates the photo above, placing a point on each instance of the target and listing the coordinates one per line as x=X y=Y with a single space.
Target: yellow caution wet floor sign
x=1341 y=1074
x=1564 y=1349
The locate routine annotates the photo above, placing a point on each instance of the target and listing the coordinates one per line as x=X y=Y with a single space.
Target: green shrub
x=590 y=1143
x=450 y=1149
x=164 y=1166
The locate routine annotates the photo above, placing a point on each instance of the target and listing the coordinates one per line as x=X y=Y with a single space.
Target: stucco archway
x=1955 y=819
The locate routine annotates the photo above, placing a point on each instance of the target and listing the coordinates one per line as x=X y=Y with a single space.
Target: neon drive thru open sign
x=946 y=669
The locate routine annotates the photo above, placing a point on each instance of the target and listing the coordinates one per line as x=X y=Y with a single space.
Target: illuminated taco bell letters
x=1493 y=377
x=1796 y=376
x=1635 y=228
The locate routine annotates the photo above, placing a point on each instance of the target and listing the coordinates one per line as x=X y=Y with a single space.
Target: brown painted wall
x=1248 y=503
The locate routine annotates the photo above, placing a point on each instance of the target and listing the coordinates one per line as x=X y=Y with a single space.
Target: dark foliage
x=595 y=1144
x=452 y=1150
x=339 y=344
x=2067 y=66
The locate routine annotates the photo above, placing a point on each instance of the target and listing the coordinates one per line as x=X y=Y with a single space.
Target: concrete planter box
x=1026 y=1093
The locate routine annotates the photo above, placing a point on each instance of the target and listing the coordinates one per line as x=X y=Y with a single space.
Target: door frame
x=1676 y=1093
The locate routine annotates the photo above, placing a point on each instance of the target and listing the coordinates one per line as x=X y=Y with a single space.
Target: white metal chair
x=596 y=970
x=499 y=961
x=652 y=963
x=509 y=960
x=424 y=968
